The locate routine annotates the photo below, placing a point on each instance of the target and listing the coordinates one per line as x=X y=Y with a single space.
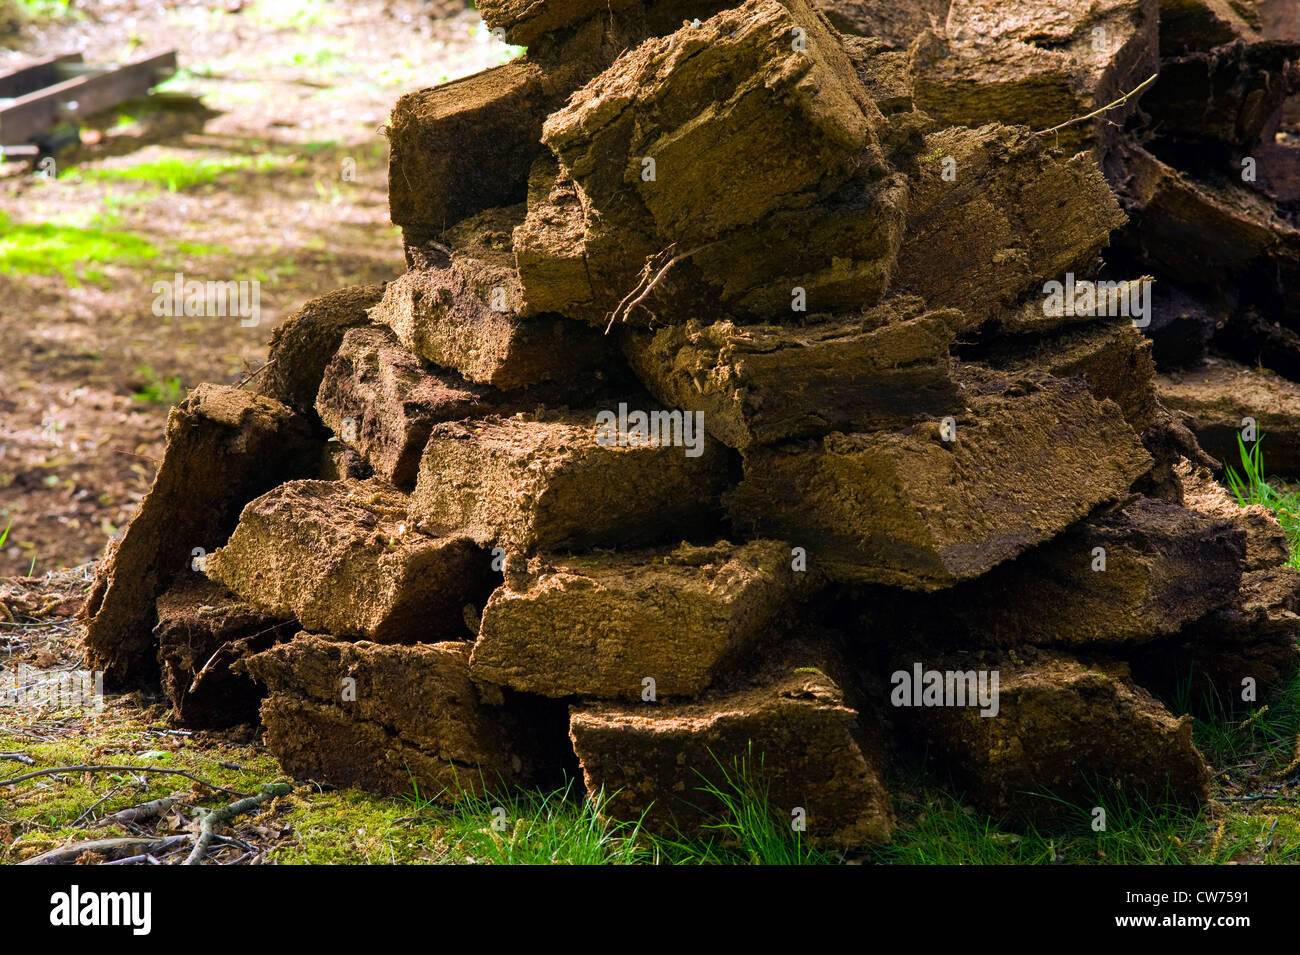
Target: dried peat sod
x=807 y=379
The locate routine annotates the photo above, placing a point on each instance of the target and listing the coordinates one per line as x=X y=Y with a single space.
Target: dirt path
x=263 y=160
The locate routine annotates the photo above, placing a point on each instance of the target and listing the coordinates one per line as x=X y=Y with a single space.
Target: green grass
x=44 y=8
x=71 y=251
x=1267 y=733
x=178 y=174
x=1251 y=486
x=532 y=827
x=157 y=389
x=43 y=813
x=566 y=826
x=32 y=11
x=936 y=828
x=78 y=253
x=940 y=830
x=743 y=826
x=350 y=827
x=289 y=14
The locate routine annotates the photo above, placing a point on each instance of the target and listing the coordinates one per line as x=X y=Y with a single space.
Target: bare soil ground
x=263 y=159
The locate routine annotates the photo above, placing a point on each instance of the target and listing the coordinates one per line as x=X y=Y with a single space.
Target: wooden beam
x=32 y=78
x=29 y=116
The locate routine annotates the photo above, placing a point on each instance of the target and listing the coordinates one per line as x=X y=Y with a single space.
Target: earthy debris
x=895 y=23
x=625 y=196
x=1202 y=25
x=530 y=483
x=787 y=729
x=762 y=384
x=387 y=717
x=203 y=629
x=1031 y=457
x=305 y=342
x=339 y=463
x=224 y=447
x=721 y=326
x=1227 y=245
x=1064 y=731
x=602 y=626
x=734 y=69
x=1112 y=356
x=837 y=255
x=383 y=401
x=1009 y=215
x=343 y=557
x=1221 y=399
x=1266 y=544
x=1230 y=95
x=526 y=23
x=1039 y=63
x=1235 y=659
x=1133 y=575
x=466 y=146
x=463 y=312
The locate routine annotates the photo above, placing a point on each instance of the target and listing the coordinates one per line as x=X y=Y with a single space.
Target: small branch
x=108 y=795
x=208 y=828
x=19 y=757
x=148 y=810
x=1252 y=798
x=646 y=284
x=134 y=455
x=236 y=648
x=71 y=853
x=117 y=769
x=1109 y=106
x=249 y=377
x=646 y=271
x=194 y=684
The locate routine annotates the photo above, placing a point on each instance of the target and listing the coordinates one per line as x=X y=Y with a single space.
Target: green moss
x=39 y=814
x=178 y=174
x=349 y=827
x=77 y=253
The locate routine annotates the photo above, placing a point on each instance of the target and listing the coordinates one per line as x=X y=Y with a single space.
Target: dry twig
x=648 y=280
x=249 y=377
x=148 y=810
x=118 y=769
x=208 y=828
x=73 y=851
x=1107 y=108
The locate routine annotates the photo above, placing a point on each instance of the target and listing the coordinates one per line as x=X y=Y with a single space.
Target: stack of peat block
x=724 y=402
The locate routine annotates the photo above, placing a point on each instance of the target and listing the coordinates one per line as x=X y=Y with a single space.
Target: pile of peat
x=773 y=380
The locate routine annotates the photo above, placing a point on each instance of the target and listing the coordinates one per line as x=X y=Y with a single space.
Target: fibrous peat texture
x=733 y=385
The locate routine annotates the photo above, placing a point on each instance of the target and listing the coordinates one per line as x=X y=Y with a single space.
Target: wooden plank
x=29 y=116
x=31 y=78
